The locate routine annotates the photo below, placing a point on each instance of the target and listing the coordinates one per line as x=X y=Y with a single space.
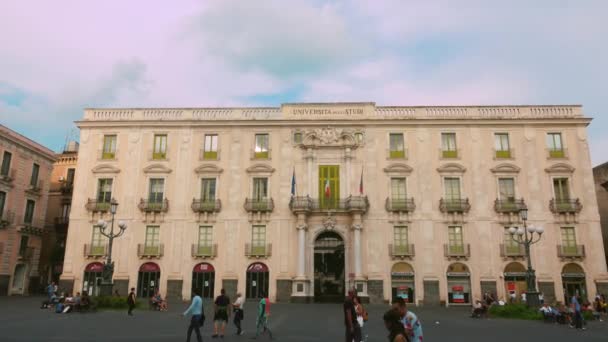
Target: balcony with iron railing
x=206 y=205
x=36 y=188
x=571 y=251
x=153 y=206
x=565 y=206
x=26 y=253
x=6 y=218
x=454 y=205
x=557 y=153
x=95 y=251
x=509 y=205
x=66 y=188
x=400 y=204
x=259 y=205
x=512 y=251
x=401 y=251
x=150 y=251
x=309 y=204
x=204 y=250
x=258 y=251
x=457 y=251
x=95 y=206
x=8 y=176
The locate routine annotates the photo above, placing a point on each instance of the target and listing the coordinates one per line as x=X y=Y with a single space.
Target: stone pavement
x=22 y=320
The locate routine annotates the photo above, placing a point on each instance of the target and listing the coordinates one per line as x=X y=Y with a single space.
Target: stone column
x=357 y=249
x=348 y=157
x=301 y=285
x=309 y=157
x=301 y=227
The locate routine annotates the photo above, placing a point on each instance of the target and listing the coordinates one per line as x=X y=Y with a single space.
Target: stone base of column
x=301 y=291
x=360 y=285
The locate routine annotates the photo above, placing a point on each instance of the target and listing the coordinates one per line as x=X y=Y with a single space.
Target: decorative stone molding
x=560 y=168
x=208 y=169
x=329 y=223
x=260 y=168
x=105 y=168
x=332 y=137
x=451 y=168
x=157 y=168
x=302 y=227
x=505 y=168
x=398 y=169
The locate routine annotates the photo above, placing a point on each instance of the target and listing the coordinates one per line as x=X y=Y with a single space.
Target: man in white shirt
x=238 y=313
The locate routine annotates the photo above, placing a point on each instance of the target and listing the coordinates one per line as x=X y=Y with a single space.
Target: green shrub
x=110 y=302
x=515 y=311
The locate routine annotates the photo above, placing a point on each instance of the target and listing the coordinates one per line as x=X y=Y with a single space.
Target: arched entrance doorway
x=19 y=279
x=148 y=280
x=402 y=281
x=258 y=278
x=515 y=281
x=92 y=278
x=573 y=280
x=459 y=284
x=329 y=267
x=203 y=279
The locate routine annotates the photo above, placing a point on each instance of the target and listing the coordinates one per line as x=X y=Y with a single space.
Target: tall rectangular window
x=109 y=147
x=208 y=189
x=455 y=241
x=555 y=145
x=205 y=235
x=511 y=246
x=397 y=145
x=258 y=240
x=160 y=146
x=70 y=176
x=561 y=189
x=210 y=147
x=398 y=189
x=23 y=245
x=29 y=212
x=400 y=239
x=506 y=189
x=34 y=178
x=104 y=190
x=568 y=240
x=152 y=243
x=6 y=163
x=501 y=145
x=448 y=145
x=329 y=186
x=97 y=242
x=157 y=188
x=261 y=146
x=260 y=188
x=452 y=188
x=2 y=203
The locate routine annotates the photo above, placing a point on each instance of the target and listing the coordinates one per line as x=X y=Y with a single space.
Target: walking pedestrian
x=262 y=317
x=392 y=322
x=411 y=323
x=220 y=318
x=131 y=301
x=361 y=317
x=50 y=290
x=238 y=313
x=196 y=310
x=577 y=316
x=353 y=331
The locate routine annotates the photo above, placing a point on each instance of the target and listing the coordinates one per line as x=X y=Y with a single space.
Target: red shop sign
x=457 y=288
x=203 y=268
x=511 y=286
x=94 y=267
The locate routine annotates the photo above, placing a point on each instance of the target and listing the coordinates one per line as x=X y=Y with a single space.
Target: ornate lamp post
x=527 y=236
x=108 y=267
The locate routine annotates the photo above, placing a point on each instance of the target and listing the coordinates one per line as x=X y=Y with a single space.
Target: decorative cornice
x=260 y=168
x=208 y=169
x=560 y=168
x=105 y=168
x=398 y=169
x=157 y=168
x=451 y=168
x=505 y=168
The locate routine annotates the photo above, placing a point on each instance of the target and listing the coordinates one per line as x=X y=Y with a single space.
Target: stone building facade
x=305 y=200
x=600 y=174
x=24 y=181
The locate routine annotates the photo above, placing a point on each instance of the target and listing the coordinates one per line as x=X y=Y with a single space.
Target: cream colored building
x=407 y=201
x=25 y=171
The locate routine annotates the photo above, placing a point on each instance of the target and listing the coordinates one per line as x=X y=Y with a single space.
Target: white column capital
x=302 y=226
x=357 y=227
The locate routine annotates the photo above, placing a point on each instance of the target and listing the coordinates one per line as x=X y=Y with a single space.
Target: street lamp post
x=527 y=236
x=108 y=267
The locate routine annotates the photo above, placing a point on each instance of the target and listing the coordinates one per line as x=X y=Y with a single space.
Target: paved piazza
x=21 y=320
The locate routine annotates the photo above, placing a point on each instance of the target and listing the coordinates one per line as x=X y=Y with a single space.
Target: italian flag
x=327 y=189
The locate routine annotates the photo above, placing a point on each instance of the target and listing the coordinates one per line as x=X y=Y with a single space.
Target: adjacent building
x=24 y=181
x=305 y=200
x=600 y=174
x=58 y=213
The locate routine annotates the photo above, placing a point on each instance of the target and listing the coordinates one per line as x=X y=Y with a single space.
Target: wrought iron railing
x=509 y=205
x=204 y=250
x=144 y=250
x=400 y=204
x=454 y=205
x=259 y=204
x=155 y=206
x=559 y=206
x=457 y=250
x=401 y=251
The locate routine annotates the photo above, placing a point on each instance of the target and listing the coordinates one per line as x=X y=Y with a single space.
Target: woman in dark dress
x=392 y=322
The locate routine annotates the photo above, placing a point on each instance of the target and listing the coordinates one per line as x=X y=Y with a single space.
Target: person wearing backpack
x=131 y=301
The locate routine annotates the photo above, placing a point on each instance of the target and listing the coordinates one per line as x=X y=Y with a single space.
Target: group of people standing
x=222 y=311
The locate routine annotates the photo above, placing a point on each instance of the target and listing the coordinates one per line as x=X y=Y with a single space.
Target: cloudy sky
x=57 y=57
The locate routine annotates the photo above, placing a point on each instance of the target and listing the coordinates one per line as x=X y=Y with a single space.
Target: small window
x=261 y=150
x=152 y=239
x=104 y=190
x=205 y=235
x=561 y=189
x=160 y=147
x=568 y=240
x=2 y=203
x=23 y=245
x=97 y=242
x=501 y=145
x=70 y=176
x=258 y=240
x=400 y=236
x=455 y=241
x=506 y=189
x=452 y=188
x=210 y=147
x=157 y=188
x=29 y=212
x=397 y=145
x=297 y=138
x=448 y=145
x=555 y=145
x=109 y=147
x=398 y=189
x=511 y=246
x=359 y=137
x=34 y=178
x=6 y=164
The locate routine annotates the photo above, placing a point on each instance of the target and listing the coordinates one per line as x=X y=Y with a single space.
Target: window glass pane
x=554 y=141
x=501 y=141
x=448 y=141
x=104 y=190
x=152 y=235
x=258 y=238
x=34 y=179
x=29 y=211
x=6 y=163
x=261 y=142
x=160 y=143
x=205 y=235
x=157 y=186
x=70 y=176
x=398 y=188
x=208 y=189
x=65 y=210
x=568 y=236
x=23 y=244
x=260 y=188
x=396 y=142
x=97 y=239
x=2 y=202
x=511 y=245
x=401 y=238
x=452 y=188
x=506 y=189
x=109 y=143
x=210 y=142
x=561 y=189
x=455 y=239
